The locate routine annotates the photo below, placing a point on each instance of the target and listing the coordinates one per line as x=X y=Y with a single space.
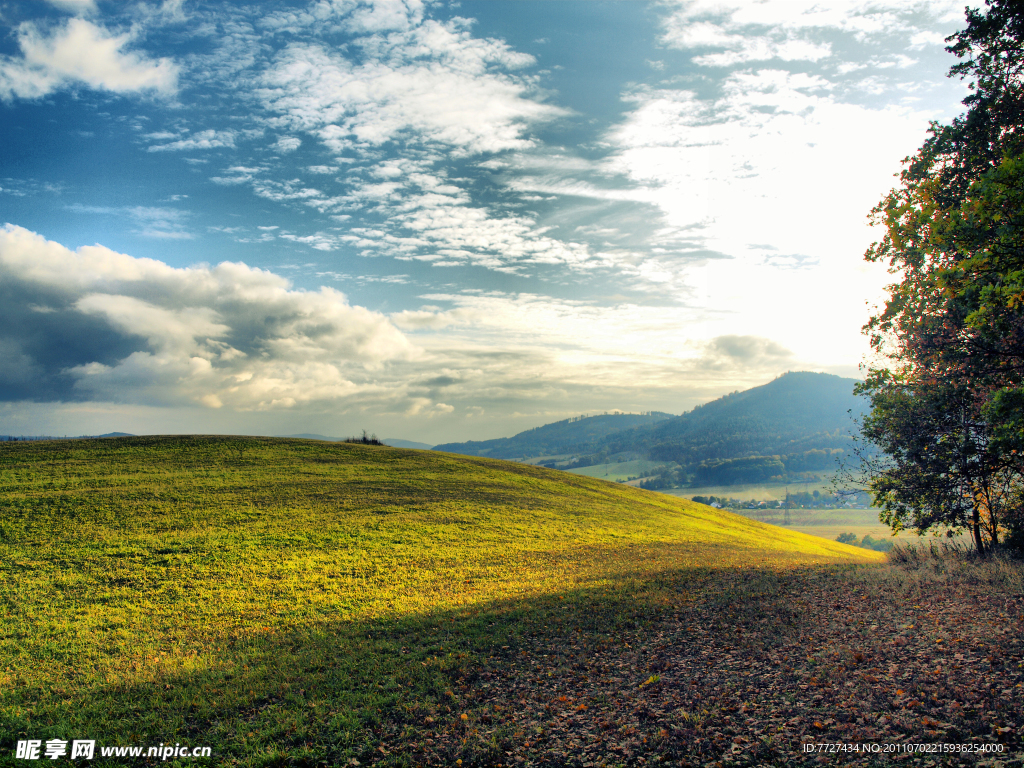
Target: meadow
x=620 y=471
x=829 y=523
x=292 y=602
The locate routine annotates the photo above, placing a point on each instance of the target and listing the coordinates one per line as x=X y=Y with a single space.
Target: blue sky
x=441 y=221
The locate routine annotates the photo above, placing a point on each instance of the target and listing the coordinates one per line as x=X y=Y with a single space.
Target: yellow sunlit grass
x=171 y=588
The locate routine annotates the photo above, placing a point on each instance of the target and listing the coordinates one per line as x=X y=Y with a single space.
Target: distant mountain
x=796 y=425
x=795 y=412
x=394 y=442
x=6 y=438
x=573 y=435
x=800 y=422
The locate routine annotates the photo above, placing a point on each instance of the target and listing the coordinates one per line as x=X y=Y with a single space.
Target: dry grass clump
x=957 y=562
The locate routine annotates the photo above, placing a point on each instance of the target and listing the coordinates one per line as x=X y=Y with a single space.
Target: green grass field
x=290 y=602
x=619 y=471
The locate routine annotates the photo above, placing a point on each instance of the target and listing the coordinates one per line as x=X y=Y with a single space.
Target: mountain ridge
x=798 y=423
x=559 y=437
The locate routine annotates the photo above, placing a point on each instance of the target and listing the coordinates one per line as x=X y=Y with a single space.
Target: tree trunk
x=976 y=525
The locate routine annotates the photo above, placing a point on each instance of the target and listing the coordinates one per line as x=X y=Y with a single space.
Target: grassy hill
x=299 y=602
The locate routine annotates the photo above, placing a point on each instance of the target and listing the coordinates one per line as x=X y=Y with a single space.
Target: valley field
x=292 y=602
x=752 y=491
x=619 y=471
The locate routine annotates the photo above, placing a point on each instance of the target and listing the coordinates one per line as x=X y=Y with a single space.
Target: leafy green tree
x=943 y=468
x=947 y=380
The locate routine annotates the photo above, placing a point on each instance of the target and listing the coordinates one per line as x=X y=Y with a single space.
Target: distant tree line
x=868 y=542
x=800 y=500
x=792 y=467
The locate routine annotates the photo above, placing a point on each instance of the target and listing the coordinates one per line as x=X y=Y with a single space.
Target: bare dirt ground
x=923 y=662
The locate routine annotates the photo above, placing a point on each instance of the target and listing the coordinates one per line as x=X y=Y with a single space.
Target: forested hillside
x=579 y=433
x=799 y=423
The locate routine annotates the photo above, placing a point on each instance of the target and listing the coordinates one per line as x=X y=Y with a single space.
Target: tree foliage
x=947 y=379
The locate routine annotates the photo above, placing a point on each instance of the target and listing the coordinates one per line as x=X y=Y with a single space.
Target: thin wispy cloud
x=161 y=222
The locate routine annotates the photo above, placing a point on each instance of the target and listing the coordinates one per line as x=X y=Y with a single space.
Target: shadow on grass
x=336 y=691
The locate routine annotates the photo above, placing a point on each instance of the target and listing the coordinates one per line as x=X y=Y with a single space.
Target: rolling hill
x=577 y=434
x=297 y=601
x=394 y=442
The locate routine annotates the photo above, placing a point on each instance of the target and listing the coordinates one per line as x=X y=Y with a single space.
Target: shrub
x=364 y=440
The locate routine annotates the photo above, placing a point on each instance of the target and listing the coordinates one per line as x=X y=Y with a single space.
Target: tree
x=943 y=468
x=947 y=379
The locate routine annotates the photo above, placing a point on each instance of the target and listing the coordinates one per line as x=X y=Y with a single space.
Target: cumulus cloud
x=80 y=52
x=96 y=324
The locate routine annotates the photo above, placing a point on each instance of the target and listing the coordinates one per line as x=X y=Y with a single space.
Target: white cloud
x=763 y=49
x=209 y=139
x=431 y=220
x=288 y=144
x=380 y=15
x=755 y=154
x=734 y=33
x=434 y=82
x=426 y=217
x=729 y=23
x=351 y=16
x=80 y=52
x=229 y=334
x=320 y=241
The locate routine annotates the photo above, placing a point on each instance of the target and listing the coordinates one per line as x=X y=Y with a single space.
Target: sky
x=442 y=221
